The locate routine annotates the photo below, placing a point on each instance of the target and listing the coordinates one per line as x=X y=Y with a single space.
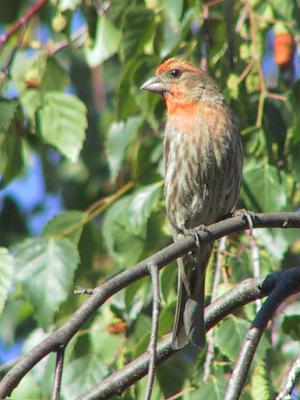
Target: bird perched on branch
x=203 y=166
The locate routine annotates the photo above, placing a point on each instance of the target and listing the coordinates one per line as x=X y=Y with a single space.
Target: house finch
x=203 y=167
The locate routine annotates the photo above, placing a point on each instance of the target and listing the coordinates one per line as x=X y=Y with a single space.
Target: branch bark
x=34 y=9
x=62 y=336
x=286 y=283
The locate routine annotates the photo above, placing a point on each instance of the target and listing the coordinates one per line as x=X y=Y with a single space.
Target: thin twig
x=206 y=39
x=245 y=72
x=283 y=289
x=210 y=336
x=154 y=272
x=291 y=381
x=256 y=265
x=78 y=37
x=58 y=373
x=255 y=57
x=34 y=9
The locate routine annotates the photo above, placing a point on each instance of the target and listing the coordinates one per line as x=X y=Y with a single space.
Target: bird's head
x=181 y=82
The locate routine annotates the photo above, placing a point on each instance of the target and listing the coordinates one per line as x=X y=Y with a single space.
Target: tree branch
x=34 y=9
x=62 y=336
x=286 y=284
x=291 y=380
x=154 y=272
x=58 y=373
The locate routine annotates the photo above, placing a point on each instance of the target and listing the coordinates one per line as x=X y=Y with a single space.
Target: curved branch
x=63 y=335
x=287 y=283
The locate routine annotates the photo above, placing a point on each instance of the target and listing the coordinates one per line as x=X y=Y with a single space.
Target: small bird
x=203 y=166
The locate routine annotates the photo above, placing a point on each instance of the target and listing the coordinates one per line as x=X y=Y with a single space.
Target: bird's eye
x=176 y=73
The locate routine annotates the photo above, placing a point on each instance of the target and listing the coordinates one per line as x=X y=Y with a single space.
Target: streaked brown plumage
x=203 y=167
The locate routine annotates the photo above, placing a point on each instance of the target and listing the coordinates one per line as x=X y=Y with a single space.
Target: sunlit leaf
x=106 y=43
x=46 y=267
x=120 y=135
x=62 y=123
x=66 y=225
x=6 y=273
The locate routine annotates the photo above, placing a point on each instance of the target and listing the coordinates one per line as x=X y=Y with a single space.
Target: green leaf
x=120 y=135
x=11 y=155
x=264 y=188
x=136 y=28
x=8 y=109
x=55 y=76
x=124 y=225
x=46 y=269
x=213 y=389
x=68 y=224
x=62 y=122
x=230 y=335
x=28 y=69
x=6 y=273
x=261 y=385
x=82 y=374
x=124 y=246
x=109 y=347
x=106 y=43
x=173 y=8
x=143 y=203
x=291 y=326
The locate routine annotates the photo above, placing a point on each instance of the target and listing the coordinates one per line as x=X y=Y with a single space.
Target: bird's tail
x=189 y=323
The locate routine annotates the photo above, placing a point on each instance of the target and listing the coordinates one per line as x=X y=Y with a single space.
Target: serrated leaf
x=143 y=202
x=230 y=335
x=45 y=267
x=6 y=273
x=81 y=375
x=68 y=224
x=120 y=135
x=106 y=44
x=8 y=109
x=213 y=389
x=62 y=123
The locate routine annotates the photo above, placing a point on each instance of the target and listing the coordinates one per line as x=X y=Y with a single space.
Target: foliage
x=70 y=98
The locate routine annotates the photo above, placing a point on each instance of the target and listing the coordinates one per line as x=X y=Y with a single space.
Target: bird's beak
x=154 y=84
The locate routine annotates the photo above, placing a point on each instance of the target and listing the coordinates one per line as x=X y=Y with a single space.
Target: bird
x=203 y=162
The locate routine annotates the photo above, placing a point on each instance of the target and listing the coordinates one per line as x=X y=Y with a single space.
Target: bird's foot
x=246 y=215
x=194 y=232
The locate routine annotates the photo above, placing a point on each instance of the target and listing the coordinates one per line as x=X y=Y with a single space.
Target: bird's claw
x=194 y=232
x=248 y=216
